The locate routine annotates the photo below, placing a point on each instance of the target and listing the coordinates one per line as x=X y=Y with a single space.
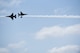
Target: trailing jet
x=21 y=14
x=12 y=16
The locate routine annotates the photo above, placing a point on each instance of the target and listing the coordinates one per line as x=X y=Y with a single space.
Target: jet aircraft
x=21 y=14
x=12 y=16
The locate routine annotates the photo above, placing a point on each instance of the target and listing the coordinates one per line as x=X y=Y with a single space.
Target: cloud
x=20 y=44
x=19 y=47
x=54 y=16
x=66 y=49
x=57 y=31
x=10 y=3
x=15 y=2
x=4 y=50
x=5 y=5
x=4 y=12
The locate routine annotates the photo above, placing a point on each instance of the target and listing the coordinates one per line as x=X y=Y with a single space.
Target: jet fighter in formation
x=21 y=14
x=12 y=16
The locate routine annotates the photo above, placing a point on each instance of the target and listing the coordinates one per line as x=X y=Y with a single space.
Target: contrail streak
x=51 y=16
x=2 y=16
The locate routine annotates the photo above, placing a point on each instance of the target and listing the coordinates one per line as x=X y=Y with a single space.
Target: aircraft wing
x=11 y=18
x=12 y=14
x=21 y=12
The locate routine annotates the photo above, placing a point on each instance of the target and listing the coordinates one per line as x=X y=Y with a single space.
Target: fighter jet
x=12 y=16
x=21 y=14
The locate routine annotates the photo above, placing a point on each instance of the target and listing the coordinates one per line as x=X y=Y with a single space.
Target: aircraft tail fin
x=15 y=16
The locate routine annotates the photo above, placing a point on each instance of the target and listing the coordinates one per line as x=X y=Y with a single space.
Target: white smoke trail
x=51 y=16
x=54 y=16
x=2 y=16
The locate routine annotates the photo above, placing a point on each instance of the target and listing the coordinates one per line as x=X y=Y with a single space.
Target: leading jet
x=12 y=16
x=21 y=14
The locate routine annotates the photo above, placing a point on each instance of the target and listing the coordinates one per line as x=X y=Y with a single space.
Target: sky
x=51 y=26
